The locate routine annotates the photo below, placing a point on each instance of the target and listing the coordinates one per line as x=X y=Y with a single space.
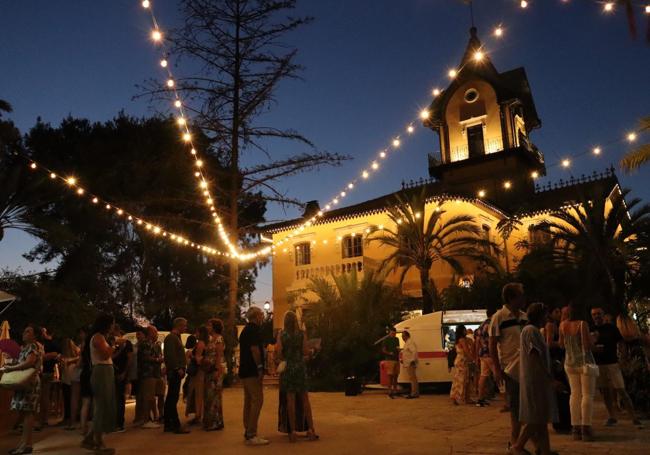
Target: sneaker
x=150 y=426
x=611 y=422
x=257 y=441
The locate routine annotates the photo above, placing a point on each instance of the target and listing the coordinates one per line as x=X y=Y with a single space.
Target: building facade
x=487 y=167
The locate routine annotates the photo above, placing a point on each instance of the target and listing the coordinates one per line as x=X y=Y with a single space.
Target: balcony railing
x=490 y=145
x=345 y=266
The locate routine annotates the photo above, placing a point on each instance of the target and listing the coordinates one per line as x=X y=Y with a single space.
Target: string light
x=608 y=7
x=32 y=166
x=187 y=137
x=481 y=193
x=478 y=56
x=170 y=83
x=436 y=92
x=375 y=165
x=597 y=150
x=507 y=185
x=396 y=143
x=71 y=181
x=647 y=9
x=181 y=121
x=410 y=129
x=95 y=200
x=178 y=103
x=566 y=163
x=534 y=174
x=631 y=137
x=146 y=4
x=452 y=73
x=80 y=191
x=156 y=35
x=52 y=175
x=365 y=174
x=523 y=4
x=498 y=32
x=425 y=114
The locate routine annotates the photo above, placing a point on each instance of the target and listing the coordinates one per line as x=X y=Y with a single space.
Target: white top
x=94 y=355
x=409 y=352
x=507 y=326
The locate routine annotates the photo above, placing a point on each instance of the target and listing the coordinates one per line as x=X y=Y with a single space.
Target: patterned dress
x=294 y=377
x=213 y=411
x=461 y=374
x=27 y=400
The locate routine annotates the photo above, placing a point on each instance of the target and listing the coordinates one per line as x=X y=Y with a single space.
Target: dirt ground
x=367 y=424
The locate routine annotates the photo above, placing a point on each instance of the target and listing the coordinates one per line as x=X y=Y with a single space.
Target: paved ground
x=368 y=424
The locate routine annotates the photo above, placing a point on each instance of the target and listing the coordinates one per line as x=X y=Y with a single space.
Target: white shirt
x=507 y=327
x=409 y=352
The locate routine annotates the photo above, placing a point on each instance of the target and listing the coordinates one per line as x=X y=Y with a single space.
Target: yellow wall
x=455 y=122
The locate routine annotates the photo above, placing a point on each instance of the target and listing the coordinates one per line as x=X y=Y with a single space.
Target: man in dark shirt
x=175 y=367
x=251 y=372
x=51 y=357
x=610 y=379
x=390 y=350
x=122 y=358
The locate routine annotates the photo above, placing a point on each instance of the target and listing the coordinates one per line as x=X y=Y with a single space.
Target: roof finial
x=471 y=13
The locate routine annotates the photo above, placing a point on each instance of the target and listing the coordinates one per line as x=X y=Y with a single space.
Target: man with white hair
x=251 y=373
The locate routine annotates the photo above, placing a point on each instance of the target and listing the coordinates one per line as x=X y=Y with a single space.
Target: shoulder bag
x=18 y=379
x=589 y=368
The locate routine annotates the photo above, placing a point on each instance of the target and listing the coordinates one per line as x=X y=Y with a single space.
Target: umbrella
x=10 y=347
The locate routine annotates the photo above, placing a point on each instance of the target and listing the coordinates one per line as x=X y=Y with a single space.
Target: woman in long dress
x=460 y=389
x=214 y=373
x=536 y=384
x=26 y=401
x=102 y=381
x=295 y=409
x=196 y=389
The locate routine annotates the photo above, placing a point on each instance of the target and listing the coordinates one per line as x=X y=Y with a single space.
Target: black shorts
x=512 y=395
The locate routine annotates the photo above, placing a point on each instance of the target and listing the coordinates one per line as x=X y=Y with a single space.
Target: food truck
x=434 y=335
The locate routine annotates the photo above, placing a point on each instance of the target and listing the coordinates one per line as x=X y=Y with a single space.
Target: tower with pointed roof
x=484 y=120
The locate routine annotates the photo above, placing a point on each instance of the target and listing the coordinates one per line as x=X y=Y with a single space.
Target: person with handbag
x=24 y=379
x=581 y=370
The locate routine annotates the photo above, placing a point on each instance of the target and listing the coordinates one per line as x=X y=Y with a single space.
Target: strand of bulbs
x=607 y=7
x=71 y=182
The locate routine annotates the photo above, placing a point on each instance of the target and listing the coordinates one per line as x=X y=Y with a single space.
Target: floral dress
x=461 y=374
x=213 y=410
x=294 y=377
x=27 y=400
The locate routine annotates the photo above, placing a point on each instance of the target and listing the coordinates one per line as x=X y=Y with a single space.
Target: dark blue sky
x=370 y=68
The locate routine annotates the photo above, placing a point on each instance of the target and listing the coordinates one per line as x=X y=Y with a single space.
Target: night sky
x=370 y=68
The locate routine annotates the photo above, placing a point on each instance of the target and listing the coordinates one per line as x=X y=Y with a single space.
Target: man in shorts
x=390 y=349
x=505 y=333
x=610 y=379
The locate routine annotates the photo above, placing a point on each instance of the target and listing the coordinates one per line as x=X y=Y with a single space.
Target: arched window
x=351 y=246
x=303 y=253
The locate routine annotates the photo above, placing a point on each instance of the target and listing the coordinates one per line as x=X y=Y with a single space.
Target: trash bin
x=352 y=386
x=383 y=374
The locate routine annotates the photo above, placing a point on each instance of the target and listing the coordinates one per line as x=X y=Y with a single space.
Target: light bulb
x=178 y=103
x=481 y=193
x=80 y=191
x=523 y=4
x=52 y=175
x=204 y=184
x=452 y=73
x=478 y=56
x=608 y=7
x=146 y=3
x=436 y=92
x=193 y=151
x=507 y=185
x=498 y=32
x=375 y=165
x=181 y=121
x=163 y=63
x=396 y=143
x=199 y=163
x=33 y=165
x=382 y=154
x=597 y=150
x=156 y=35
x=647 y=9
x=95 y=200
x=170 y=83
x=107 y=206
x=365 y=174
x=410 y=129
x=566 y=162
x=534 y=174
x=187 y=137
x=424 y=114
x=71 y=181
x=631 y=137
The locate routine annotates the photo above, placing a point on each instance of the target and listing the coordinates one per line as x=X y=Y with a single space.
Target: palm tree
x=419 y=243
x=505 y=227
x=602 y=239
x=640 y=155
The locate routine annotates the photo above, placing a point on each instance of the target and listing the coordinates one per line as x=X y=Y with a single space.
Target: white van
x=434 y=336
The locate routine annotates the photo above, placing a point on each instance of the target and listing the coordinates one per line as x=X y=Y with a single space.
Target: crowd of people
x=99 y=369
x=550 y=362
